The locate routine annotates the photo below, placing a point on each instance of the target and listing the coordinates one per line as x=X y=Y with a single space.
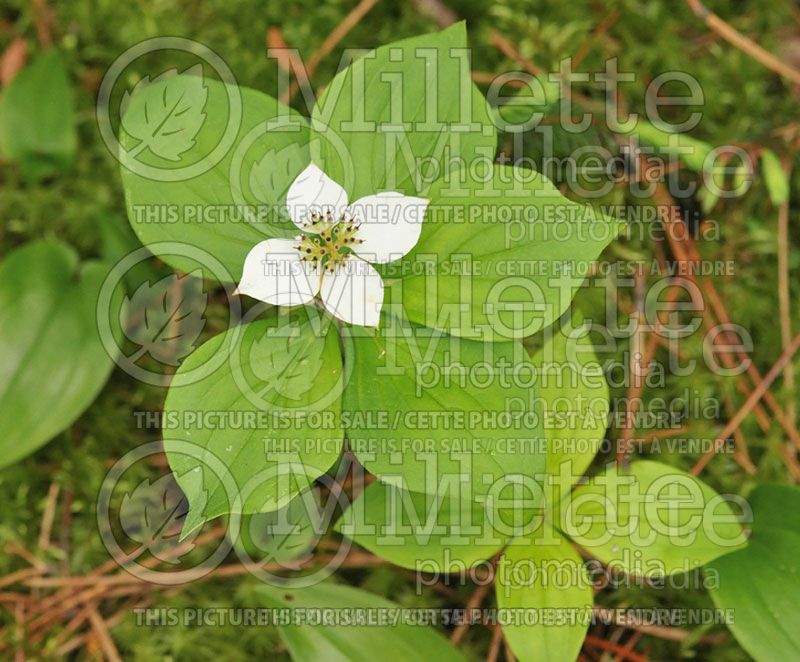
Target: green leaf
x=37 y=118
x=228 y=399
x=283 y=534
x=286 y=367
x=427 y=533
x=500 y=256
x=352 y=641
x=54 y=363
x=528 y=114
x=152 y=515
x=434 y=413
x=761 y=582
x=775 y=178
x=183 y=185
x=397 y=113
x=650 y=520
x=168 y=123
x=526 y=106
x=171 y=313
x=573 y=388
x=117 y=241
x=708 y=198
x=545 y=574
x=691 y=151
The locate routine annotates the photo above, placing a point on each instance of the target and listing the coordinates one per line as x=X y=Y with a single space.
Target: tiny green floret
x=328 y=242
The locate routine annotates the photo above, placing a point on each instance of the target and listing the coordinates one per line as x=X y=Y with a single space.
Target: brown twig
x=45 y=22
x=632 y=641
x=46 y=528
x=639 y=376
x=745 y=409
x=663 y=340
x=684 y=249
x=10 y=596
x=487 y=78
x=339 y=33
x=503 y=45
x=678 y=237
x=103 y=586
x=18 y=550
x=744 y=44
x=661 y=631
x=103 y=637
x=12 y=60
x=610 y=646
x=19 y=621
x=742 y=455
x=441 y=14
x=117 y=618
x=494 y=646
x=602 y=27
x=95 y=575
x=19 y=576
x=752 y=372
x=784 y=301
x=73 y=624
x=288 y=60
x=790 y=459
x=474 y=602
x=640 y=359
x=64 y=531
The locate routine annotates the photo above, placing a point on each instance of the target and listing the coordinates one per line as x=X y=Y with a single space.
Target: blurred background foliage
x=81 y=202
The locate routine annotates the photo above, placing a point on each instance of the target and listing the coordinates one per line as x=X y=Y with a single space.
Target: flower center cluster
x=328 y=242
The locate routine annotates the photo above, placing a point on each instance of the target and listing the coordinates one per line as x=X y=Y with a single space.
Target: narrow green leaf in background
x=53 y=361
x=775 y=178
x=37 y=118
x=690 y=150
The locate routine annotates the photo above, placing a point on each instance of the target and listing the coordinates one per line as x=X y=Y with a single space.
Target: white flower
x=332 y=255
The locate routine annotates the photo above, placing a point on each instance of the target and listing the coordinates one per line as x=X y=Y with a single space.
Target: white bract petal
x=313 y=192
x=390 y=225
x=275 y=273
x=353 y=292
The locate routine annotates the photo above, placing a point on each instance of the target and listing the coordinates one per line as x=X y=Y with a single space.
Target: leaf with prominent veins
x=167 y=123
x=264 y=437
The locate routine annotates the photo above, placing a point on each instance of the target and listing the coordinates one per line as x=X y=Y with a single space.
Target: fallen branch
x=506 y=48
x=474 y=602
x=610 y=646
x=339 y=33
x=784 y=300
x=744 y=44
x=103 y=636
x=745 y=409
